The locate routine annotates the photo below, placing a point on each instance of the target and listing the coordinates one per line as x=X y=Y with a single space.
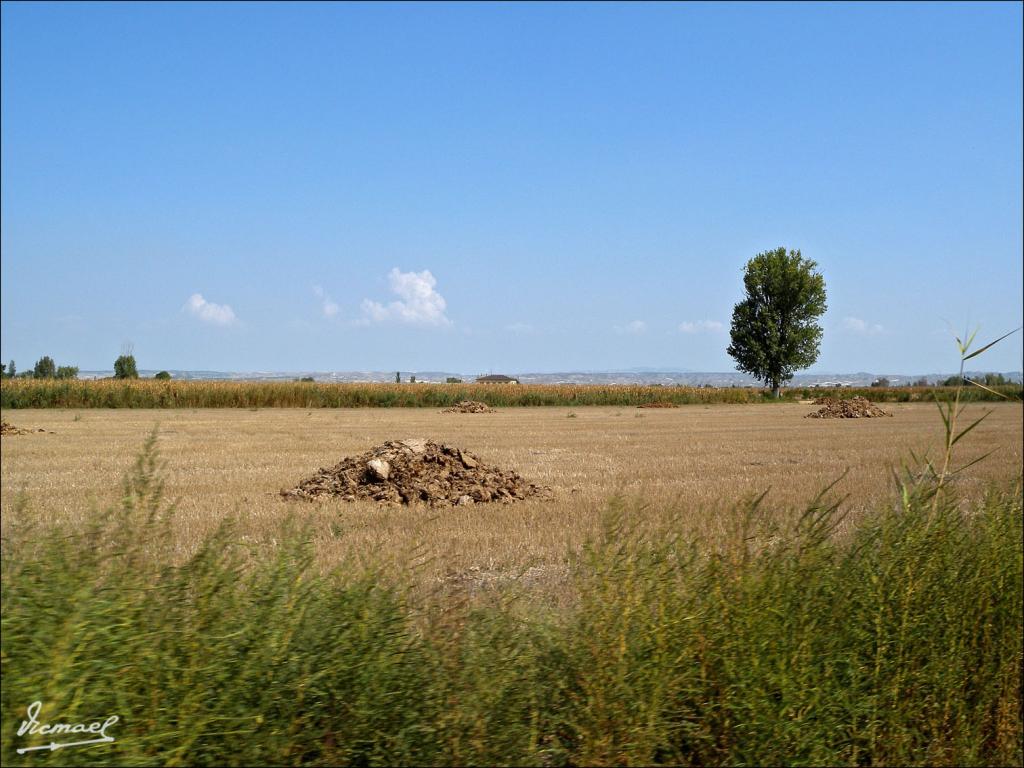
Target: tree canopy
x=774 y=329
x=124 y=367
x=45 y=368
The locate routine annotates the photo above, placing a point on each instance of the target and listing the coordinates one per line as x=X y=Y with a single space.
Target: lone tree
x=774 y=329
x=124 y=367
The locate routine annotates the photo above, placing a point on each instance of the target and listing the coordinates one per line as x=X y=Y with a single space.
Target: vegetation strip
x=141 y=393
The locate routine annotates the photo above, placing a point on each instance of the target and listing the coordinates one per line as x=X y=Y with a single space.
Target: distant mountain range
x=647 y=376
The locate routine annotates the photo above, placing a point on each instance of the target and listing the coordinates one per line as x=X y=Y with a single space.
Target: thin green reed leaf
x=970 y=463
x=990 y=344
x=979 y=384
x=942 y=413
x=972 y=426
x=970 y=339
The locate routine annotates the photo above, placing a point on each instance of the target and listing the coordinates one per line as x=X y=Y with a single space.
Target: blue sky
x=506 y=187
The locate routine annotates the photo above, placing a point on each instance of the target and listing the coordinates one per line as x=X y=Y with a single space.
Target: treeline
x=988 y=379
x=45 y=368
x=147 y=393
x=896 y=643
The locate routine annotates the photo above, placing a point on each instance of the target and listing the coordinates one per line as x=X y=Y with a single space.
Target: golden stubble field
x=686 y=468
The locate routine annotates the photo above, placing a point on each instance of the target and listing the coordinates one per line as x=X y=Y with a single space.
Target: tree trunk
x=775 y=390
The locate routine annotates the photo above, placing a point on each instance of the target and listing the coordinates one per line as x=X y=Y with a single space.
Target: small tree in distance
x=774 y=329
x=162 y=376
x=45 y=368
x=67 y=372
x=124 y=367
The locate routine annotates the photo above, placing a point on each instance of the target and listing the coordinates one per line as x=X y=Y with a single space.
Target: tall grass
x=899 y=642
x=32 y=393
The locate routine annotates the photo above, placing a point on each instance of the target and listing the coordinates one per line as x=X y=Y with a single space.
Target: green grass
x=51 y=393
x=897 y=643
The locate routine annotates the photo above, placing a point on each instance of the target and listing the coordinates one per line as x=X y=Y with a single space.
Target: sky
x=504 y=188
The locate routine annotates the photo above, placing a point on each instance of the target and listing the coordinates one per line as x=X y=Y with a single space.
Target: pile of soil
x=10 y=429
x=469 y=406
x=854 y=408
x=416 y=471
x=658 y=405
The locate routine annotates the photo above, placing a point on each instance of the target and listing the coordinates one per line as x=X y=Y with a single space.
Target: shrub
x=67 y=372
x=162 y=376
x=124 y=367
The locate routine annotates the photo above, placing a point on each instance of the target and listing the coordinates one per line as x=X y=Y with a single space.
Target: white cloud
x=856 y=325
x=701 y=326
x=418 y=304
x=633 y=327
x=208 y=312
x=327 y=305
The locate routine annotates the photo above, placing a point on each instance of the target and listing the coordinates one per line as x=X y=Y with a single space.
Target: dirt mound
x=10 y=429
x=854 y=408
x=416 y=472
x=469 y=406
x=658 y=405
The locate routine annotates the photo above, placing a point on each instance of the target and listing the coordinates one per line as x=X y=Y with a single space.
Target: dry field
x=690 y=465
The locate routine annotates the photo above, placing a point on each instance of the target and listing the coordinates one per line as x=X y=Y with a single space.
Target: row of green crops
x=35 y=393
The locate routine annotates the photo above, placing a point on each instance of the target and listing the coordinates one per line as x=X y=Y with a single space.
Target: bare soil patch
x=417 y=471
x=469 y=406
x=852 y=408
x=658 y=405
